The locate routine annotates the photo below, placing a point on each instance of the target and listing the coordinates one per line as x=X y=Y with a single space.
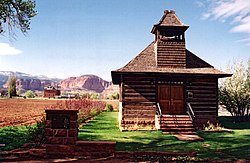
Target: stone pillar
x=61 y=131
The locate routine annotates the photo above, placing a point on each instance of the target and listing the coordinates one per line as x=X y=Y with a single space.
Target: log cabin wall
x=138 y=102
x=171 y=54
x=202 y=94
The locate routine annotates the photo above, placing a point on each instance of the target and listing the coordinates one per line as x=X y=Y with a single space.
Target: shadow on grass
x=231 y=146
x=136 y=144
x=228 y=122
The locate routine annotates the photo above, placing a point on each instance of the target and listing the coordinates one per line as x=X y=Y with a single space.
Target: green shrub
x=37 y=132
x=109 y=108
x=93 y=113
x=30 y=94
x=94 y=96
x=115 y=96
x=82 y=117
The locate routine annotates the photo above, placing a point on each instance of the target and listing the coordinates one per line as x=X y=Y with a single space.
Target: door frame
x=173 y=83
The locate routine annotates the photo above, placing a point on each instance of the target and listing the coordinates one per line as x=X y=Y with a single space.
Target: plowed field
x=22 y=111
x=26 y=111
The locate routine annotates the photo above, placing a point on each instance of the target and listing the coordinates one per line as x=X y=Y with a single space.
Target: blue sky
x=77 y=37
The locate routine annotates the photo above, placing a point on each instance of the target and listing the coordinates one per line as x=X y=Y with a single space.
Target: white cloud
x=237 y=12
x=199 y=3
x=6 y=49
x=246 y=41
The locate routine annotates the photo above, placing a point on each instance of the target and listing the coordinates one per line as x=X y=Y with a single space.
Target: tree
x=12 y=86
x=16 y=14
x=115 y=96
x=234 y=92
x=19 y=92
x=248 y=85
x=3 y=92
x=30 y=94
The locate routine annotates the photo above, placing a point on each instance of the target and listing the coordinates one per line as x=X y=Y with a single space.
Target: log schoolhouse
x=166 y=86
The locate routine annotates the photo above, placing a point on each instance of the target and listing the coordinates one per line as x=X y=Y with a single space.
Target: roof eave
x=183 y=28
x=116 y=75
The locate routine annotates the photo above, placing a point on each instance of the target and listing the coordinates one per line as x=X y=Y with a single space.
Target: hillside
x=27 y=81
x=91 y=83
x=85 y=82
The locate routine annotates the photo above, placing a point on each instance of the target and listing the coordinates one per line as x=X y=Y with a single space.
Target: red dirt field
x=14 y=112
x=22 y=111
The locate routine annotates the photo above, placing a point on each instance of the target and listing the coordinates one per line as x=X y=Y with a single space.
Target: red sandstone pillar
x=61 y=131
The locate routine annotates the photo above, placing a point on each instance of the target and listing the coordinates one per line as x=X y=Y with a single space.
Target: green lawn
x=13 y=137
x=232 y=146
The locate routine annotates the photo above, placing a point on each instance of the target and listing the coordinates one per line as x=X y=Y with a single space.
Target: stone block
x=69 y=140
x=48 y=132
x=73 y=117
x=73 y=124
x=60 y=132
x=54 y=140
x=72 y=133
x=60 y=150
x=48 y=124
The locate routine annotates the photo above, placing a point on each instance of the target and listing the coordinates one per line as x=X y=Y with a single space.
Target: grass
x=232 y=146
x=13 y=137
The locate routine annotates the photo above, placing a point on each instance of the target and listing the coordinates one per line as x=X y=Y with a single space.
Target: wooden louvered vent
x=171 y=54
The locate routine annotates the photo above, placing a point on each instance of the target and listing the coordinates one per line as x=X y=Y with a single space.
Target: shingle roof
x=170 y=19
x=146 y=62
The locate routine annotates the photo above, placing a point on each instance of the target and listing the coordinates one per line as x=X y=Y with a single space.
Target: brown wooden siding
x=138 y=103
x=171 y=54
x=203 y=100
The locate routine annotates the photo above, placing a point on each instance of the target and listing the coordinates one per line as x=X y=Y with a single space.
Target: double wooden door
x=171 y=99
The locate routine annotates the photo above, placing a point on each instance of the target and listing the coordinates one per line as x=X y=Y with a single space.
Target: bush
x=87 y=108
x=37 y=132
x=211 y=127
x=94 y=96
x=3 y=92
x=115 y=96
x=109 y=108
x=30 y=94
x=93 y=113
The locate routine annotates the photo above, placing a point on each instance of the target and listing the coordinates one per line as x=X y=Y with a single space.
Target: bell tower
x=170 y=48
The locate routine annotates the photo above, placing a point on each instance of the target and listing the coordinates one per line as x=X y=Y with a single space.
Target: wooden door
x=171 y=99
x=164 y=92
x=177 y=99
